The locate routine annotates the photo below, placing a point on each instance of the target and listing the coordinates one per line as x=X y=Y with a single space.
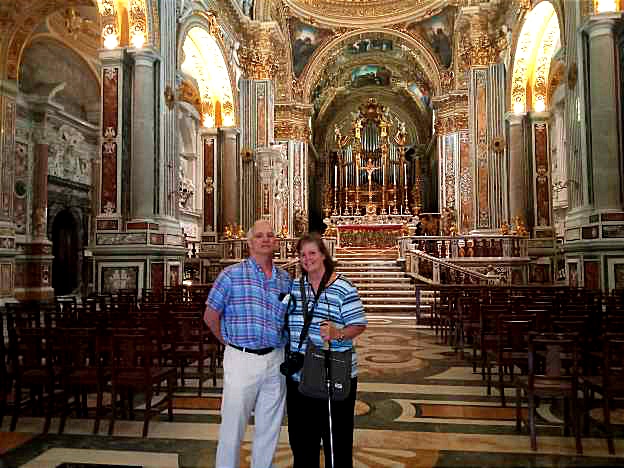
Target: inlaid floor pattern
x=419 y=405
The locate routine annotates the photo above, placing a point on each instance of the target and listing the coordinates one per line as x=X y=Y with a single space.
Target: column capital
x=516 y=118
x=112 y=56
x=257 y=56
x=229 y=132
x=539 y=116
x=602 y=24
x=205 y=132
x=144 y=57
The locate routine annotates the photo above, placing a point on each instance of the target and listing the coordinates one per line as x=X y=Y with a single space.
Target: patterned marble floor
x=419 y=405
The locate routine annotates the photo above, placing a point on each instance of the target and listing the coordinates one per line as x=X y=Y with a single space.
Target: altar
x=375 y=231
x=369 y=235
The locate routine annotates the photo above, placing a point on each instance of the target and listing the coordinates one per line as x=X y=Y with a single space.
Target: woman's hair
x=315 y=238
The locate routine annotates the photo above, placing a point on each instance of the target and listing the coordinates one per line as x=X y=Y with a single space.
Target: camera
x=292 y=364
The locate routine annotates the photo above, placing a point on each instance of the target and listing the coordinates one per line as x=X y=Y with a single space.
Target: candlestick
x=335 y=176
x=394 y=174
x=405 y=174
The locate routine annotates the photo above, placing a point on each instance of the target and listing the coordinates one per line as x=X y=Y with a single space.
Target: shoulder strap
x=309 y=314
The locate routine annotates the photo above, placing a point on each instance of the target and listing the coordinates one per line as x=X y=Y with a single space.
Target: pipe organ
x=368 y=171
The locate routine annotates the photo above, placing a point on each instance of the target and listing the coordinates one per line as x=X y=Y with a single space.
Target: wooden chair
x=189 y=345
x=610 y=384
x=84 y=371
x=511 y=351
x=6 y=374
x=553 y=372
x=135 y=366
x=35 y=367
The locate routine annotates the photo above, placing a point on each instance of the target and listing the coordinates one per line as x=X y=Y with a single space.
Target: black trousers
x=308 y=423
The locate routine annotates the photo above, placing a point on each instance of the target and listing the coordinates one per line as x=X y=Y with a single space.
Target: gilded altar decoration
x=283 y=234
x=520 y=228
x=504 y=229
x=240 y=232
x=227 y=232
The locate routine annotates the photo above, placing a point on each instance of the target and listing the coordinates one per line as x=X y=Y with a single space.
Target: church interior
x=463 y=160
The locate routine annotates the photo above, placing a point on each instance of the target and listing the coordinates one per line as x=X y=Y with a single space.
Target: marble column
x=8 y=93
x=230 y=186
x=144 y=156
x=518 y=168
x=604 y=113
x=34 y=263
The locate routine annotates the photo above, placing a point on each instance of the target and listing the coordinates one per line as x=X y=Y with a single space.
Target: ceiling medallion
x=360 y=13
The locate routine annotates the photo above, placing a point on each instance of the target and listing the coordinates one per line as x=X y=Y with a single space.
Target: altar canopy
x=370 y=173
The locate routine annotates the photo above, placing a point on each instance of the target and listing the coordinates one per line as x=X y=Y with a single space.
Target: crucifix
x=369 y=168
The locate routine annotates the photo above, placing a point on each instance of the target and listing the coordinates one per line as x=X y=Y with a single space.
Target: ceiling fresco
x=355 y=13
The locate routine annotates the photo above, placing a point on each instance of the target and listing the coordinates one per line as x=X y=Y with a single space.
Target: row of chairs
x=56 y=354
x=560 y=341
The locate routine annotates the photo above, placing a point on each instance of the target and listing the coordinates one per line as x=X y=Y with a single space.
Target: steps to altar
x=383 y=286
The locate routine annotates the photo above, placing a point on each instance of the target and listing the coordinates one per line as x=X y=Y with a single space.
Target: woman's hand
x=329 y=332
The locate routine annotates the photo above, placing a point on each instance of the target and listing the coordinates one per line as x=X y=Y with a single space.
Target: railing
x=433 y=270
x=467 y=246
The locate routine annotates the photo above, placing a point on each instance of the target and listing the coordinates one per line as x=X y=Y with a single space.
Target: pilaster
x=8 y=93
x=231 y=185
x=33 y=265
x=257 y=104
x=488 y=149
x=292 y=133
x=541 y=174
x=456 y=180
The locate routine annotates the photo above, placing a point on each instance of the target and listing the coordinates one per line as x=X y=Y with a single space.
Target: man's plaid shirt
x=252 y=315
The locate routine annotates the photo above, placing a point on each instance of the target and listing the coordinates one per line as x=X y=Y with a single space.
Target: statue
x=521 y=229
x=241 y=232
x=301 y=223
x=227 y=231
x=330 y=231
x=283 y=234
x=504 y=229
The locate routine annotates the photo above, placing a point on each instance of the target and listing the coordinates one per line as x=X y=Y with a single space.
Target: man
x=245 y=311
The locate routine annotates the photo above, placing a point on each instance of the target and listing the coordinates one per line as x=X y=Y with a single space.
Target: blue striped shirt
x=339 y=303
x=248 y=302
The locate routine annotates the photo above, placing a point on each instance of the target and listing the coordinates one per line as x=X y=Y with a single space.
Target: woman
x=337 y=318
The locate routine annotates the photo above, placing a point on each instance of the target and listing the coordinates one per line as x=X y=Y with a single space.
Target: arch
x=535 y=48
x=201 y=55
x=31 y=17
x=323 y=54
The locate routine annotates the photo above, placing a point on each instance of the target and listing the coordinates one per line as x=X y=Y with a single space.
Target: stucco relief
x=70 y=155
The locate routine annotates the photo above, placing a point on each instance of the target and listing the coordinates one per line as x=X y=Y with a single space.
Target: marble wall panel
x=110 y=130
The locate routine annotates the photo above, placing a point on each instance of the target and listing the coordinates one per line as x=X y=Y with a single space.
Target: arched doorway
x=66 y=250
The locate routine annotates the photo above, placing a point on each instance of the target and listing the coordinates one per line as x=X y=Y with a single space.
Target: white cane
x=326 y=348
